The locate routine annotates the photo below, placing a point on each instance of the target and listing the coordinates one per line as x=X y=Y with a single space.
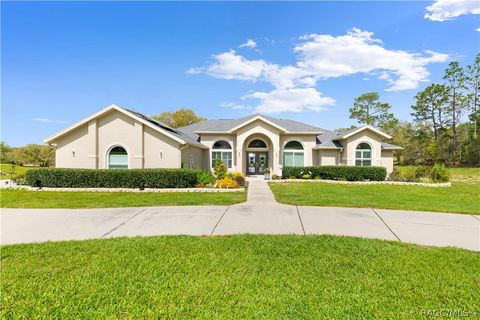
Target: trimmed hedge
x=105 y=178
x=348 y=173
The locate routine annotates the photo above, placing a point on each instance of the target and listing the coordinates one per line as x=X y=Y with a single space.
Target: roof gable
x=158 y=126
x=351 y=132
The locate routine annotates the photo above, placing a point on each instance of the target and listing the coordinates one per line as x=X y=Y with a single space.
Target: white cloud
x=229 y=65
x=290 y=100
x=321 y=57
x=236 y=106
x=478 y=29
x=45 y=120
x=249 y=44
x=442 y=10
x=326 y=56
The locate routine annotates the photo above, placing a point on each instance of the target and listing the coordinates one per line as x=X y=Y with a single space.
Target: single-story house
x=116 y=137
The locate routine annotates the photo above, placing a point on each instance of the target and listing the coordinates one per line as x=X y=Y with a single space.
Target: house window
x=363 y=155
x=293 y=154
x=118 y=158
x=257 y=143
x=222 y=150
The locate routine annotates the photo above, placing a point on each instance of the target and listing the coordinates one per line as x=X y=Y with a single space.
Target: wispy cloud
x=46 y=120
x=236 y=106
x=249 y=44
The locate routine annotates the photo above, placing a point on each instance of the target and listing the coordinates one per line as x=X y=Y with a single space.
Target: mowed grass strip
x=235 y=277
x=16 y=198
x=459 y=198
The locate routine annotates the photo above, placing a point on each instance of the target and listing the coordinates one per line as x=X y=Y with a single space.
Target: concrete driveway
x=259 y=215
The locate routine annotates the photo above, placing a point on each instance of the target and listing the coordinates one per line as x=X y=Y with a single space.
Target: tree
x=5 y=151
x=473 y=83
x=180 y=118
x=34 y=154
x=430 y=106
x=455 y=78
x=367 y=109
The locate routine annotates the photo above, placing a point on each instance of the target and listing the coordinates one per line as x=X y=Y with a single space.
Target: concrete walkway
x=259 y=215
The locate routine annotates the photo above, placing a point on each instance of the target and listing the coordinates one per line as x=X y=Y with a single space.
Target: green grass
x=235 y=277
x=458 y=174
x=461 y=197
x=15 y=198
x=7 y=168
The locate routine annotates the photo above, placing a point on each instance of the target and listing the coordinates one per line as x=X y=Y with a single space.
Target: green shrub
x=411 y=174
x=439 y=173
x=107 y=178
x=347 y=173
x=204 y=178
x=396 y=175
x=220 y=169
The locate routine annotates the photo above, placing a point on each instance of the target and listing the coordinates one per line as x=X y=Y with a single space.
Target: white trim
x=251 y=139
x=210 y=156
x=293 y=151
x=364 y=128
x=107 y=153
x=254 y=119
x=105 y=110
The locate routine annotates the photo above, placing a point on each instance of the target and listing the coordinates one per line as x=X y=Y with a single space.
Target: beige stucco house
x=116 y=137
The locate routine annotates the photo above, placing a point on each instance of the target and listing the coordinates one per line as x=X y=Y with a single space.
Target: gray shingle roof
x=175 y=132
x=328 y=139
x=389 y=146
x=225 y=125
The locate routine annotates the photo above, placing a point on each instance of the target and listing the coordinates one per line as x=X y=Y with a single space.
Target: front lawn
x=461 y=197
x=235 y=277
x=14 y=198
x=8 y=169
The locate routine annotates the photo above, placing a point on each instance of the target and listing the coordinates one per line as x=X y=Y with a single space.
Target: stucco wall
x=195 y=155
x=329 y=157
x=74 y=150
x=146 y=147
x=350 y=145
x=387 y=160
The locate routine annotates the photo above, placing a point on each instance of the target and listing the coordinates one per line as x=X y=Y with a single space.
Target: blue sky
x=306 y=61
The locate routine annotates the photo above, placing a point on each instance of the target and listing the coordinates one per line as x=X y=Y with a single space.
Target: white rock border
x=401 y=183
x=146 y=190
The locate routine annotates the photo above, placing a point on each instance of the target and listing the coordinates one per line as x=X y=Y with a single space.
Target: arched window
x=257 y=143
x=363 y=155
x=117 y=158
x=222 y=150
x=293 y=155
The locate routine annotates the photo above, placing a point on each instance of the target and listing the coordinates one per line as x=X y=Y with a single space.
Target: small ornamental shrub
x=239 y=178
x=439 y=173
x=226 y=183
x=204 y=178
x=276 y=177
x=306 y=176
x=341 y=173
x=220 y=169
x=109 y=178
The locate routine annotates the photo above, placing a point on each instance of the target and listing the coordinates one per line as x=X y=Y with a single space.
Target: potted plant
x=267 y=173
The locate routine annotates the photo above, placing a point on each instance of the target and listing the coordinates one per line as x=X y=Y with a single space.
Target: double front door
x=257 y=162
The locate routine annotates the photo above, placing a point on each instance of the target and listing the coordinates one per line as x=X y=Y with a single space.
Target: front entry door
x=257 y=162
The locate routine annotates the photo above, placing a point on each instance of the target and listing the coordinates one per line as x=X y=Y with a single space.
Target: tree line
x=446 y=119
x=31 y=154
